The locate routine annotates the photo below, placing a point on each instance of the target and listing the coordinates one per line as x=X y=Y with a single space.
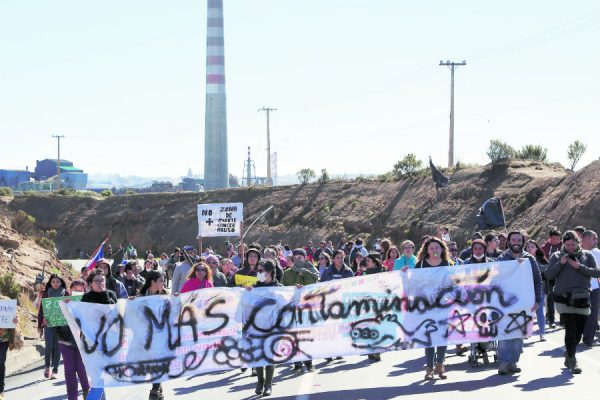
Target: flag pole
x=95 y=251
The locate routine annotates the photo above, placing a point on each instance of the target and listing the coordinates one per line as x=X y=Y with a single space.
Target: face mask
x=478 y=257
x=261 y=276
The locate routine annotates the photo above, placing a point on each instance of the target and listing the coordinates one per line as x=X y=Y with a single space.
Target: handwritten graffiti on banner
x=220 y=219
x=156 y=338
x=52 y=311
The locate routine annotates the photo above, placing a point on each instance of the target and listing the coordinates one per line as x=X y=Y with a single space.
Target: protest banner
x=244 y=280
x=157 y=338
x=8 y=311
x=52 y=312
x=220 y=219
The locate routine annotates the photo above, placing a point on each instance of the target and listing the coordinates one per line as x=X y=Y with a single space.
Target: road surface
x=398 y=375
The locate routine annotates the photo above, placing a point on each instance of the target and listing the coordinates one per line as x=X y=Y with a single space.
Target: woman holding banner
x=199 y=277
x=434 y=253
x=55 y=287
x=266 y=276
x=155 y=284
x=70 y=353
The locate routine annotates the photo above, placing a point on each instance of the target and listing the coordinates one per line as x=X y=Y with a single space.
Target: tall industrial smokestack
x=216 y=175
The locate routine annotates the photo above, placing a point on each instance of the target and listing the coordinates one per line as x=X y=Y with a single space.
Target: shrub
x=324 y=178
x=106 y=193
x=305 y=175
x=5 y=191
x=408 y=166
x=574 y=153
x=498 y=150
x=129 y=191
x=8 y=286
x=532 y=152
x=24 y=222
x=46 y=243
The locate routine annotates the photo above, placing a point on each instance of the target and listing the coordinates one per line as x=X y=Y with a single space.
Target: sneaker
x=259 y=387
x=47 y=373
x=514 y=368
x=310 y=368
x=552 y=325
x=329 y=359
x=267 y=391
x=572 y=365
x=155 y=395
x=542 y=338
x=53 y=375
x=297 y=367
x=339 y=358
x=376 y=357
x=253 y=373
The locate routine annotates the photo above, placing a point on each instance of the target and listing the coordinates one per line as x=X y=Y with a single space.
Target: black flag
x=491 y=214
x=438 y=178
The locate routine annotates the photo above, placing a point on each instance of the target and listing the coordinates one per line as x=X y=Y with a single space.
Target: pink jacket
x=194 y=284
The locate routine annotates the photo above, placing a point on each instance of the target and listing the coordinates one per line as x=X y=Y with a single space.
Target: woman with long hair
x=390 y=257
x=72 y=361
x=356 y=262
x=55 y=287
x=154 y=285
x=323 y=262
x=266 y=273
x=199 y=277
x=433 y=254
x=572 y=267
x=533 y=248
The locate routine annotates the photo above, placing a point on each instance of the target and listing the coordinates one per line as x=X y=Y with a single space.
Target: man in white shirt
x=590 y=242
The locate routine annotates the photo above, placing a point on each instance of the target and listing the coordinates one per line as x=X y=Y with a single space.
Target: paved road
x=400 y=374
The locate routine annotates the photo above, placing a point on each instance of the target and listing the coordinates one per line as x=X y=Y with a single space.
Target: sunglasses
x=200 y=269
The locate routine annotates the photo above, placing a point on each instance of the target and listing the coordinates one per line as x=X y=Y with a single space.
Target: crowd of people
x=564 y=270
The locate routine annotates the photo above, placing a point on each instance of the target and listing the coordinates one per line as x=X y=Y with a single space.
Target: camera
x=573 y=257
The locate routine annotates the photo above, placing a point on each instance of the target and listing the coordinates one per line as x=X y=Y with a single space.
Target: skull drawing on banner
x=486 y=319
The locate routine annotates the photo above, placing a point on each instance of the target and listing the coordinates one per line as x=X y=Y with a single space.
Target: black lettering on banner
x=102 y=331
x=209 y=314
x=164 y=321
x=518 y=321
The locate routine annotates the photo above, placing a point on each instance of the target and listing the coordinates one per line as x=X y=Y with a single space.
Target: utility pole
x=452 y=65
x=58 y=137
x=269 y=177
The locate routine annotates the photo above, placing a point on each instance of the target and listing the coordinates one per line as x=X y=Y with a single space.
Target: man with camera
x=571 y=268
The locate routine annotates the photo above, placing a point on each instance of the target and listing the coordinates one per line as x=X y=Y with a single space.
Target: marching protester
x=572 y=268
x=590 y=243
x=266 y=278
x=112 y=283
x=356 y=263
x=434 y=253
x=478 y=253
x=300 y=274
x=492 y=241
x=384 y=247
x=154 y=285
x=10 y=339
x=251 y=260
x=98 y=292
x=324 y=262
x=181 y=271
x=338 y=270
x=55 y=287
x=374 y=266
x=130 y=281
x=73 y=364
x=509 y=350
x=271 y=254
x=199 y=277
x=391 y=256
x=148 y=266
x=453 y=251
x=408 y=258
x=218 y=278
x=466 y=253
x=533 y=248
x=358 y=249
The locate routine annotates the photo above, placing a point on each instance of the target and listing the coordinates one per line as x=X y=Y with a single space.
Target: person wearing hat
x=466 y=253
x=251 y=260
x=478 y=253
x=300 y=274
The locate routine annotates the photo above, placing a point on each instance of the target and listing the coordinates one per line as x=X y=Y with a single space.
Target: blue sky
x=356 y=83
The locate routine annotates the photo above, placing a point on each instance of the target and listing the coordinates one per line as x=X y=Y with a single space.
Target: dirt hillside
x=535 y=197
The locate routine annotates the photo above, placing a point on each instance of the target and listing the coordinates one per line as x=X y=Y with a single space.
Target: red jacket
x=550 y=249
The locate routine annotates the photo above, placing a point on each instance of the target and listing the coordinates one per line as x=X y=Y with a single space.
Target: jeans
x=574 y=324
x=52 y=353
x=268 y=379
x=73 y=368
x=3 y=350
x=540 y=317
x=550 y=301
x=509 y=351
x=437 y=354
x=589 y=331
